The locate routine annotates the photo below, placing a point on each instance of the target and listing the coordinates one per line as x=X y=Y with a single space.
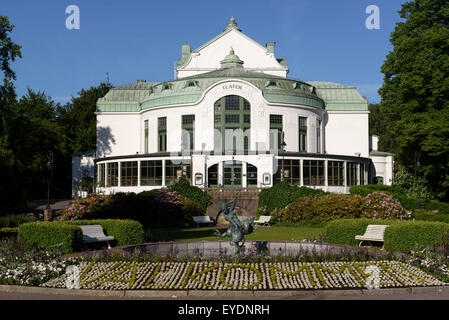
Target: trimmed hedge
x=282 y=194
x=399 y=236
x=343 y=231
x=50 y=234
x=68 y=236
x=405 y=235
x=125 y=232
x=15 y=220
x=8 y=233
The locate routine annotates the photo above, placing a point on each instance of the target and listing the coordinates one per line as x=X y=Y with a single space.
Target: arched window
x=232 y=123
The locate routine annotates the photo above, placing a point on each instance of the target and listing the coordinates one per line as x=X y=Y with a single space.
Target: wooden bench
x=374 y=232
x=94 y=233
x=202 y=220
x=264 y=220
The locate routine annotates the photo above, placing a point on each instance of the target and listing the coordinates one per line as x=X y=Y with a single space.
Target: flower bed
x=24 y=264
x=242 y=276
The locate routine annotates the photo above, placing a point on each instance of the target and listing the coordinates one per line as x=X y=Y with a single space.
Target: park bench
x=264 y=220
x=202 y=220
x=374 y=232
x=94 y=233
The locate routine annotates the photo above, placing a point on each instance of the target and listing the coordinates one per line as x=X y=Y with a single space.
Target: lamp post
x=47 y=211
x=417 y=168
x=283 y=145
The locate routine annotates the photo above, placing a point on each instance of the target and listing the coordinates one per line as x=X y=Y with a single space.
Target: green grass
x=272 y=233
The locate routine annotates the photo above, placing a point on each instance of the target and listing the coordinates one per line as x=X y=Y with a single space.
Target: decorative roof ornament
x=232 y=25
x=231 y=61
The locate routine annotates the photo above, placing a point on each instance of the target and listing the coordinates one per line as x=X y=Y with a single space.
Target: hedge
x=399 y=236
x=68 y=236
x=125 y=232
x=15 y=220
x=282 y=194
x=406 y=235
x=400 y=194
x=8 y=233
x=50 y=234
x=343 y=231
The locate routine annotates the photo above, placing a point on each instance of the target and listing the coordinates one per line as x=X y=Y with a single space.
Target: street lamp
x=47 y=212
x=283 y=145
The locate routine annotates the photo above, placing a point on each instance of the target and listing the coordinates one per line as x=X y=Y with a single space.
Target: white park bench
x=374 y=232
x=94 y=233
x=202 y=220
x=264 y=220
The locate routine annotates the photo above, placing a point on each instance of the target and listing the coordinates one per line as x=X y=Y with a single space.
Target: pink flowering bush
x=83 y=208
x=379 y=205
x=156 y=207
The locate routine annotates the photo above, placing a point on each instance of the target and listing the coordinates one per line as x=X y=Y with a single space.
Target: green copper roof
x=375 y=153
x=139 y=96
x=340 y=97
x=231 y=61
x=143 y=95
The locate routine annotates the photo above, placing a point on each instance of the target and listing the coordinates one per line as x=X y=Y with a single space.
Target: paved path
x=36 y=293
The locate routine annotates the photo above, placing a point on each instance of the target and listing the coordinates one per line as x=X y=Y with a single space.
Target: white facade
x=233 y=87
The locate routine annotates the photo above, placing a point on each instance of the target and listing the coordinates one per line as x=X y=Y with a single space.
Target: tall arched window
x=232 y=123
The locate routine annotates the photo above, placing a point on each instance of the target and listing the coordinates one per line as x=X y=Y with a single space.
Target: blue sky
x=322 y=40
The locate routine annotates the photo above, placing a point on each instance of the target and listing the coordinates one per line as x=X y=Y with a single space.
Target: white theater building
x=233 y=119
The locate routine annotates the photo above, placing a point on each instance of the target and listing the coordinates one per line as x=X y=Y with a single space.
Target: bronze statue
x=237 y=229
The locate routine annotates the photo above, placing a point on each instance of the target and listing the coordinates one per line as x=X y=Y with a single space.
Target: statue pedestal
x=48 y=214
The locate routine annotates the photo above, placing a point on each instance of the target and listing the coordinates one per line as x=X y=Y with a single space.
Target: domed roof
x=231 y=61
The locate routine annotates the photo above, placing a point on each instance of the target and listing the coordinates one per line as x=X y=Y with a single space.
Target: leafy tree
x=377 y=124
x=79 y=119
x=9 y=52
x=415 y=93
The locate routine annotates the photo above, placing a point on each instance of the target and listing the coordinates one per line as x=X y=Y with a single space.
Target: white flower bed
x=243 y=276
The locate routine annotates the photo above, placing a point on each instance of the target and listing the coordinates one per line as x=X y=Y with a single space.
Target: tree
x=415 y=93
x=79 y=119
x=9 y=52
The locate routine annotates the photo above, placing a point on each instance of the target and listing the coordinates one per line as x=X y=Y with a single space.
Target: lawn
x=273 y=233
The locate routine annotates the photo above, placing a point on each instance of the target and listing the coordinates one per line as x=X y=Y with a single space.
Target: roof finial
x=232 y=24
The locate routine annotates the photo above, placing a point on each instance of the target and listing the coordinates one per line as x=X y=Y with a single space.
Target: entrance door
x=232 y=174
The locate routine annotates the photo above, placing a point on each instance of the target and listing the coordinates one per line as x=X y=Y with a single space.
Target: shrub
x=184 y=188
x=67 y=236
x=8 y=233
x=406 y=235
x=15 y=220
x=50 y=234
x=399 y=236
x=409 y=203
x=125 y=232
x=190 y=208
x=281 y=194
x=379 y=205
x=365 y=190
x=157 y=208
x=319 y=209
x=344 y=231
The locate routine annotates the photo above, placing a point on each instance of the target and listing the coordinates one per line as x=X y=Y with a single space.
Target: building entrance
x=232 y=174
